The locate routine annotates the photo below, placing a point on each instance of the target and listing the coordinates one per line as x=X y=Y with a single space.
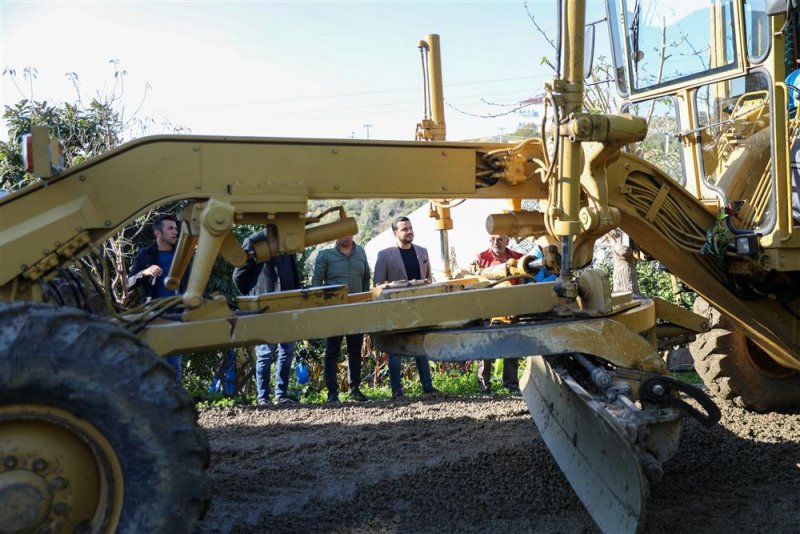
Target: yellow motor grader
x=97 y=436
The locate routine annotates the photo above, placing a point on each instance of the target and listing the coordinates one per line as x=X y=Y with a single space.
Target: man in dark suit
x=404 y=261
x=276 y=274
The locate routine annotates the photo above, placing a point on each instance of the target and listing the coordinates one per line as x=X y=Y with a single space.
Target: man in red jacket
x=497 y=253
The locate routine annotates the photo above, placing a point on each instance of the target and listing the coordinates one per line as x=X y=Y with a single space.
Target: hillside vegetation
x=373 y=215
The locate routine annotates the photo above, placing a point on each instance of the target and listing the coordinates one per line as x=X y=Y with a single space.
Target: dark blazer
x=389 y=266
x=146 y=257
x=276 y=274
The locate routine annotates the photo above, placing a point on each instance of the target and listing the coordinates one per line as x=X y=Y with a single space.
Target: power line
x=344 y=95
x=381 y=107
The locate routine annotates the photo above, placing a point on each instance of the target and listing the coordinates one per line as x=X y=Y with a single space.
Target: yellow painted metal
x=270 y=181
x=216 y=219
x=443 y=223
x=436 y=87
x=273 y=180
x=294 y=300
x=187 y=241
x=594 y=292
x=260 y=181
x=640 y=319
x=433 y=128
x=216 y=308
x=58 y=473
x=451 y=308
x=675 y=237
x=782 y=247
x=608 y=338
x=414 y=307
x=322 y=233
x=570 y=167
x=231 y=250
x=416 y=288
x=780 y=163
x=211 y=233
x=590 y=447
x=672 y=313
x=516 y=223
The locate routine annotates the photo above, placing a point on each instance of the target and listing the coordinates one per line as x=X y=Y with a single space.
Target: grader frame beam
x=260 y=177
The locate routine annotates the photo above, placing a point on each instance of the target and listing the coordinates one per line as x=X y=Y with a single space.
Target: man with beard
x=404 y=261
x=151 y=266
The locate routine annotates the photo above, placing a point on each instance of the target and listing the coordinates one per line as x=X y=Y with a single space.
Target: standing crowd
x=344 y=263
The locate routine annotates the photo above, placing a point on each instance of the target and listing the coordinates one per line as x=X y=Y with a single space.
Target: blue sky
x=275 y=69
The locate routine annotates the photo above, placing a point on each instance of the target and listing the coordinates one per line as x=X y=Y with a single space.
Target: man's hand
x=153 y=270
x=250 y=242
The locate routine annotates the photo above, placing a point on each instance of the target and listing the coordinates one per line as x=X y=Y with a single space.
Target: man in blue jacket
x=276 y=274
x=151 y=266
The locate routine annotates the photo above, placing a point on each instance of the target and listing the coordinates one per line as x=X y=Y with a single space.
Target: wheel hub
x=57 y=473
x=764 y=363
x=27 y=500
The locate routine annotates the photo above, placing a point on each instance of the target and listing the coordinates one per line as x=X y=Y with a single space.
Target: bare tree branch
x=539 y=28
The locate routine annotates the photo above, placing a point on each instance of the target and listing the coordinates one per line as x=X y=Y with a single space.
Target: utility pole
x=367 y=126
x=502 y=139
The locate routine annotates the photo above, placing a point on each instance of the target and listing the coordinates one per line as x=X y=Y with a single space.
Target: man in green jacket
x=344 y=263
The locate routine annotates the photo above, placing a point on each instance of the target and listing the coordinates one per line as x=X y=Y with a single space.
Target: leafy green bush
x=654 y=281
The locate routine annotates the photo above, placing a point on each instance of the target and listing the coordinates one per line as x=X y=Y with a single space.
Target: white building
x=467 y=238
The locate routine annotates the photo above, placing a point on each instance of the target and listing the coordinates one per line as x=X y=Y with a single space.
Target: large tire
x=713 y=316
x=736 y=369
x=69 y=374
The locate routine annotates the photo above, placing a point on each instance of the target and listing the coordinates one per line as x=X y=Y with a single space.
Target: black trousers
x=510 y=371
x=332 y=352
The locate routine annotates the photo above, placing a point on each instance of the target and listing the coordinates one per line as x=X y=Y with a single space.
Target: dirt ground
x=476 y=465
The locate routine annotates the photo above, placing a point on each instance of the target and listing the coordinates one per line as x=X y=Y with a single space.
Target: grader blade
x=590 y=446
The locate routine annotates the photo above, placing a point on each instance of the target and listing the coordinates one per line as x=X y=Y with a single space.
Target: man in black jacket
x=150 y=268
x=276 y=274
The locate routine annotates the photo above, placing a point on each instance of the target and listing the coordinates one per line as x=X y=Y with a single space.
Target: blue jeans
x=282 y=369
x=175 y=363
x=395 y=371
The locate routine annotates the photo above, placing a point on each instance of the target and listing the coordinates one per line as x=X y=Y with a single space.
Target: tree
x=624 y=263
x=85 y=127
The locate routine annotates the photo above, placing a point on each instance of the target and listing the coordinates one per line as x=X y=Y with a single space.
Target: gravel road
x=476 y=465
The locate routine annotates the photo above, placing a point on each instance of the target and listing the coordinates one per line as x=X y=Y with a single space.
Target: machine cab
x=710 y=77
